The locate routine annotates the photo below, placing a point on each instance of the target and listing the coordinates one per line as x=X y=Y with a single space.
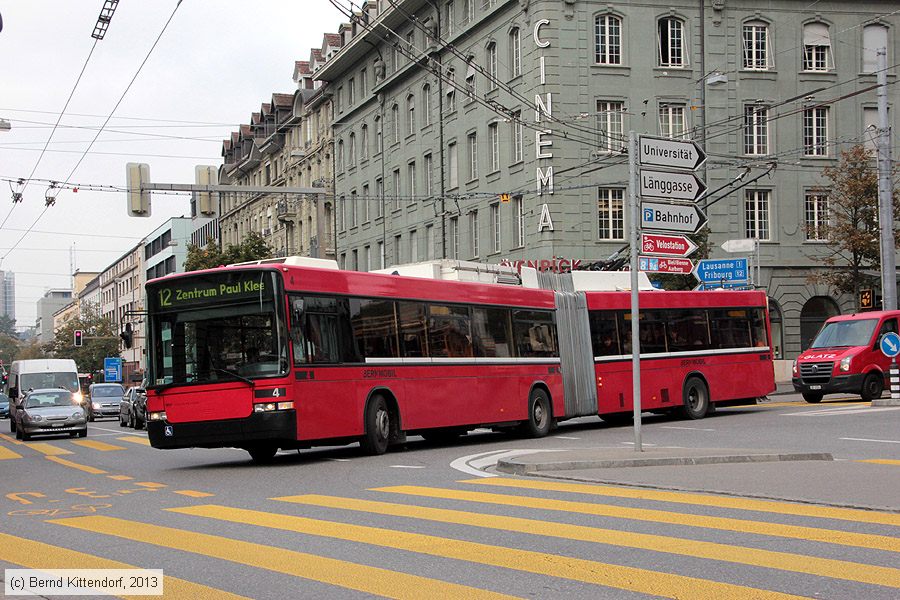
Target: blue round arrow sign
x=890 y=344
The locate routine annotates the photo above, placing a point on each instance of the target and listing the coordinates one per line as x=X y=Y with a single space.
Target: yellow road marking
x=10 y=439
x=120 y=477
x=134 y=440
x=769 y=506
x=68 y=463
x=576 y=569
x=95 y=445
x=38 y=555
x=150 y=484
x=785 y=561
x=370 y=580
x=844 y=538
x=881 y=461
x=7 y=454
x=193 y=494
x=49 y=449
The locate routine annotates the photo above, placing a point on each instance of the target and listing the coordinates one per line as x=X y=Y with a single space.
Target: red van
x=845 y=357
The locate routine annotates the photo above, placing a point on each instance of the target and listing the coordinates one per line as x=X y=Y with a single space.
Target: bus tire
x=378 y=427
x=812 y=397
x=540 y=416
x=263 y=453
x=696 y=398
x=872 y=387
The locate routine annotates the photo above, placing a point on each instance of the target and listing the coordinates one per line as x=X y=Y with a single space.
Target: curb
x=514 y=467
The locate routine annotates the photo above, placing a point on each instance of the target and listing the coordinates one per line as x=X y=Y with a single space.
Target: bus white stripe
x=651 y=355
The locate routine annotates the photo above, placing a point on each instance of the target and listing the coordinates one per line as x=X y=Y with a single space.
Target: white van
x=42 y=373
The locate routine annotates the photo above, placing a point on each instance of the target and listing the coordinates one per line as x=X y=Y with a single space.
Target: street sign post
x=680 y=218
x=730 y=270
x=667 y=245
x=671 y=185
x=890 y=347
x=112 y=369
x=654 y=264
x=674 y=154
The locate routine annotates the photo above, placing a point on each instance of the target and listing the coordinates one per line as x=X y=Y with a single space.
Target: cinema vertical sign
x=543 y=138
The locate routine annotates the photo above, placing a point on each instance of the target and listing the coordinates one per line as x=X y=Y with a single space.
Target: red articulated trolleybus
x=293 y=352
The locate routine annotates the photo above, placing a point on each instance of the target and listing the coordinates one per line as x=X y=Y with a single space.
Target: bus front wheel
x=696 y=398
x=378 y=427
x=539 y=416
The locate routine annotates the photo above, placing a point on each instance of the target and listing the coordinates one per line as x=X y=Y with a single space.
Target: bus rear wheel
x=378 y=427
x=696 y=398
x=872 y=387
x=539 y=415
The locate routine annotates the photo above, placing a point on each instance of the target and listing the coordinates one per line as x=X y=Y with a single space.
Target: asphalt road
x=439 y=521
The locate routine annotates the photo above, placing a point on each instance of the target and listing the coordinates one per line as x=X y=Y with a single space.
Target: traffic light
x=127 y=335
x=79 y=338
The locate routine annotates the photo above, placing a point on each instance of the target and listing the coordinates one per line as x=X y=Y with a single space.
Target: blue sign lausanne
x=112 y=369
x=890 y=344
x=729 y=269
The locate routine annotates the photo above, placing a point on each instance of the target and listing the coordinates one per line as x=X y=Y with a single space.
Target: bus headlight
x=271 y=406
x=158 y=416
x=845 y=363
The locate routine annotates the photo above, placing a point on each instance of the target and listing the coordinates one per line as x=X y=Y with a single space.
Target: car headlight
x=96 y=405
x=845 y=363
x=77 y=397
x=78 y=415
x=34 y=417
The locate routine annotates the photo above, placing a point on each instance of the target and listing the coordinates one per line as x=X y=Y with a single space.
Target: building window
x=756 y=214
x=454 y=237
x=429 y=242
x=381 y=256
x=429 y=178
x=611 y=124
x=518 y=138
x=756 y=130
x=473 y=155
x=494 y=140
x=515 y=52
x=473 y=233
x=397 y=258
x=351 y=150
x=410 y=115
x=611 y=213
x=817 y=216
x=670 y=43
x=468 y=12
x=426 y=105
x=815 y=131
x=870 y=127
x=816 y=47
x=379 y=135
x=411 y=175
x=395 y=124
x=342 y=213
x=448 y=18
x=365 y=202
x=471 y=89
x=364 y=142
x=875 y=36
x=413 y=246
x=519 y=230
x=607 y=40
x=756 y=46
x=363 y=84
x=379 y=197
x=367 y=259
x=338 y=102
x=491 y=60
x=452 y=166
x=671 y=120
x=353 y=199
x=451 y=91
x=396 y=202
x=351 y=91
x=340 y=156
x=495 y=227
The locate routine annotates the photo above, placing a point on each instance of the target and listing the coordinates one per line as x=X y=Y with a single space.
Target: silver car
x=48 y=411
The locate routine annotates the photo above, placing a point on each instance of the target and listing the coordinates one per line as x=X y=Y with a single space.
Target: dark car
x=133 y=408
x=4 y=405
x=48 y=411
x=104 y=399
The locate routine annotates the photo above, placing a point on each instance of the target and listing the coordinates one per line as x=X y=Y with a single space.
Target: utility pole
x=885 y=192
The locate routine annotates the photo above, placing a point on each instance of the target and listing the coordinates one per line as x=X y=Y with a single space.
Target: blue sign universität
x=890 y=344
x=722 y=270
x=112 y=369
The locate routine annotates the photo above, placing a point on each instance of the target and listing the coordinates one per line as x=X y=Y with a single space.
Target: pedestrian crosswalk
x=593 y=537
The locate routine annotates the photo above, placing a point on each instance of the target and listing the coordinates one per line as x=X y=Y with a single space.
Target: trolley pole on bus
x=633 y=162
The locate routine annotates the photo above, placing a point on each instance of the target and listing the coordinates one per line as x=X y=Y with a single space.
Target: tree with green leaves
x=853 y=257
x=100 y=339
x=252 y=247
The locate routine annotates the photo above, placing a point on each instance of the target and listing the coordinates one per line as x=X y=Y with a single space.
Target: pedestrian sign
x=866 y=299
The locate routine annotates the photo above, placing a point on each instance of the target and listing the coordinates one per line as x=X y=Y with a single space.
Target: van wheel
x=696 y=398
x=539 y=414
x=378 y=427
x=812 y=397
x=872 y=387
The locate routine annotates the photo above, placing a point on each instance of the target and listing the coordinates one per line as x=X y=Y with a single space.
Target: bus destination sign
x=206 y=290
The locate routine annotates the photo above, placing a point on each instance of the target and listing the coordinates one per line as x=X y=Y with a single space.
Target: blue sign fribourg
x=729 y=269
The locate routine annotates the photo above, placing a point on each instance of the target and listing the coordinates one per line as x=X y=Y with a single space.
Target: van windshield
x=845 y=333
x=37 y=381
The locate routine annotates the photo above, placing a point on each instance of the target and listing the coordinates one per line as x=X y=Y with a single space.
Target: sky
x=216 y=62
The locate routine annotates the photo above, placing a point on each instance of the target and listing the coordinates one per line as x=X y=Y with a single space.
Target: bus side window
x=297 y=337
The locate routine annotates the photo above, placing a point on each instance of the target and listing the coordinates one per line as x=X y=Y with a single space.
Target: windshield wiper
x=246 y=380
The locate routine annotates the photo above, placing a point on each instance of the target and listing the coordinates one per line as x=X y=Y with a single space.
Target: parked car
x=104 y=399
x=48 y=411
x=133 y=408
x=4 y=406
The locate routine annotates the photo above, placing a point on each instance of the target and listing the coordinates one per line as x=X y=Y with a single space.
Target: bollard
x=894 y=376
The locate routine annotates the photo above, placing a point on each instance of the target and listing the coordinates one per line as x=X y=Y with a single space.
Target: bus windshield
x=217 y=327
x=845 y=333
